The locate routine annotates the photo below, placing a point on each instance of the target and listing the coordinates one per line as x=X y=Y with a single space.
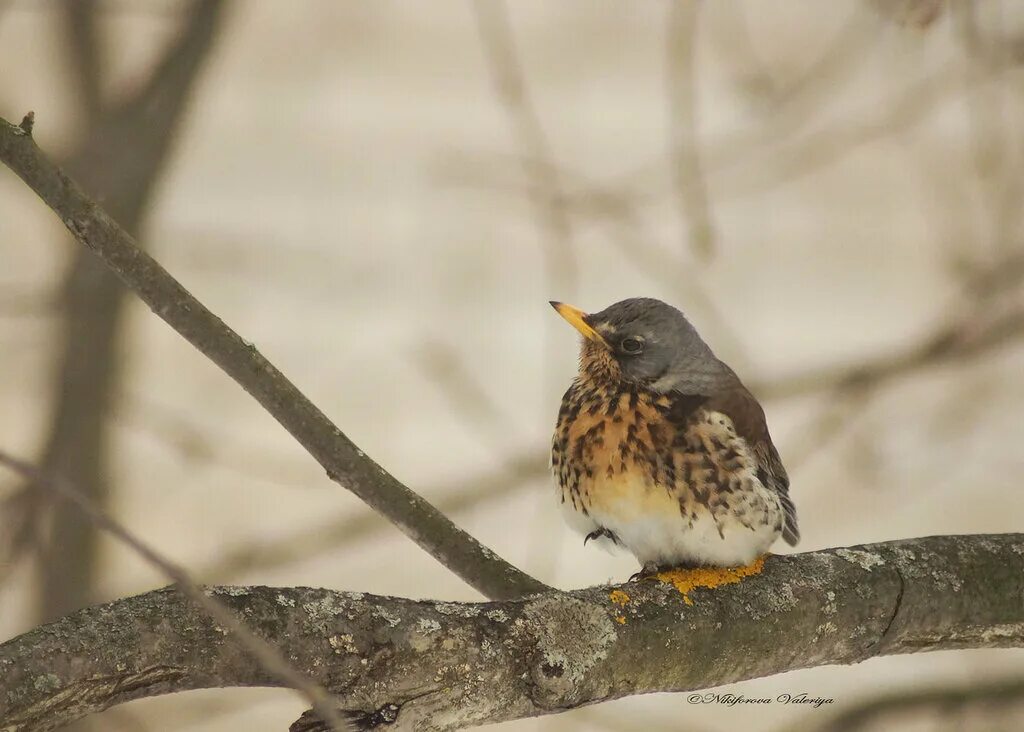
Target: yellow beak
x=575 y=317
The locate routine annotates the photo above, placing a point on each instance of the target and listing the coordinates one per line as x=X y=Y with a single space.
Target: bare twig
x=343 y=461
x=27 y=122
x=265 y=653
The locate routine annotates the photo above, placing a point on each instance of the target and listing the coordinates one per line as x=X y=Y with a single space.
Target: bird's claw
x=646 y=572
x=601 y=533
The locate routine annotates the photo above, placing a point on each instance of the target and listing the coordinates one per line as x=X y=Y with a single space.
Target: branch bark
x=441 y=666
x=344 y=462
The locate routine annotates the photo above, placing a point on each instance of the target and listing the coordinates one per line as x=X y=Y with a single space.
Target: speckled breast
x=631 y=453
x=602 y=435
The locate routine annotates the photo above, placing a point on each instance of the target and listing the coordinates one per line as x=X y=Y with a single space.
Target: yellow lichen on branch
x=619 y=597
x=686 y=580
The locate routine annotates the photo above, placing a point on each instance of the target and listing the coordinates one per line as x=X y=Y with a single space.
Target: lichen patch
x=687 y=580
x=427 y=625
x=343 y=643
x=498 y=616
x=567 y=648
x=323 y=609
x=387 y=616
x=863 y=559
x=46 y=683
x=458 y=609
x=228 y=590
x=618 y=597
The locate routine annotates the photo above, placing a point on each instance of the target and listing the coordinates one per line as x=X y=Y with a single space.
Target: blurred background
x=383 y=196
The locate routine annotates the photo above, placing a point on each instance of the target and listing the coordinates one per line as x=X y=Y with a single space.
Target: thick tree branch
x=450 y=665
x=267 y=655
x=343 y=461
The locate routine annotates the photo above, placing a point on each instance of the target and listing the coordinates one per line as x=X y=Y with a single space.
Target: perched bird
x=660 y=449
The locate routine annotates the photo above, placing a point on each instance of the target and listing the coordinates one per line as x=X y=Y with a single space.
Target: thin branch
x=344 y=462
x=455 y=497
x=441 y=666
x=265 y=653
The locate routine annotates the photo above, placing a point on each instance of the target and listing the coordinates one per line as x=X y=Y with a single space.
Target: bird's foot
x=602 y=533
x=650 y=570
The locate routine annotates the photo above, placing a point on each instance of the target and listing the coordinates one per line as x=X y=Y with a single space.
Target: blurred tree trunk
x=119 y=161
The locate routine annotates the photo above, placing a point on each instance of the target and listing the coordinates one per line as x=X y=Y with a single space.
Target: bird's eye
x=631 y=345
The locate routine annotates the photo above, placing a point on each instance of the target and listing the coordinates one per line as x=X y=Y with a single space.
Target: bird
x=659 y=448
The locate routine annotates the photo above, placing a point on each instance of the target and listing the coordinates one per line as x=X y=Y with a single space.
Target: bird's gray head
x=645 y=341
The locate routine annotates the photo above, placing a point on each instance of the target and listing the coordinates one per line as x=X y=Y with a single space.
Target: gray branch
x=344 y=462
x=443 y=666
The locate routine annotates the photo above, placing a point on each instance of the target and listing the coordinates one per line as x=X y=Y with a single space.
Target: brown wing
x=748 y=418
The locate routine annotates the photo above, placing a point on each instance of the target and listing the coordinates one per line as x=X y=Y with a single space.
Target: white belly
x=654 y=531
x=669 y=542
